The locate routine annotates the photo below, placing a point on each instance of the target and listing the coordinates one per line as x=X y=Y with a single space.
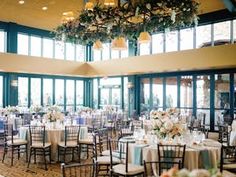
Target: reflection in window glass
x=80 y=53
x=59 y=50
x=115 y=54
x=222 y=94
x=116 y=97
x=35 y=46
x=203 y=91
x=95 y=93
x=145 y=96
x=144 y=49
x=59 y=92
x=158 y=43
x=126 y=94
x=105 y=97
x=157 y=89
x=222 y=31
x=106 y=51
x=97 y=55
x=79 y=93
x=125 y=53
x=2 y=41
x=70 y=95
x=70 y=51
x=172 y=41
x=203 y=35
x=1 y=91
x=23 y=44
x=186 y=92
x=186 y=39
x=47 y=48
x=35 y=91
x=23 y=91
x=47 y=92
x=171 y=92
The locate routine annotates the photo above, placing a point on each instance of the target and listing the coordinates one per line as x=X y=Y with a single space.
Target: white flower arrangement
x=55 y=108
x=53 y=116
x=10 y=110
x=174 y=172
x=36 y=108
x=109 y=108
x=166 y=123
x=84 y=109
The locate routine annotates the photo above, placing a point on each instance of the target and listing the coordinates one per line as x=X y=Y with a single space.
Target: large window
x=222 y=31
x=144 y=49
x=23 y=44
x=70 y=95
x=171 y=41
x=79 y=93
x=2 y=41
x=95 y=93
x=186 y=39
x=234 y=104
x=35 y=46
x=234 y=31
x=171 y=92
x=23 y=91
x=203 y=96
x=1 y=91
x=80 y=53
x=186 y=95
x=203 y=35
x=47 y=92
x=70 y=51
x=158 y=43
x=47 y=48
x=59 y=93
x=222 y=96
x=35 y=91
x=97 y=55
x=59 y=50
x=157 y=90
x=145 y=96
x=126 y=94
x=106 y=51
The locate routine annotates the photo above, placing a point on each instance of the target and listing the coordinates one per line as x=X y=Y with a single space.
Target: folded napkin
x=206 y=159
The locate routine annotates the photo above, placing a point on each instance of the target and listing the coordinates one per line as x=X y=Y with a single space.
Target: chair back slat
x=228 y=156
x=78 y=170
x=72 y=133
x=8 y=133
x=170 y=156
x=37 y=134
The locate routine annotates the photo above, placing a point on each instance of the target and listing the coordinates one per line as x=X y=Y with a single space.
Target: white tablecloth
x=54 y=136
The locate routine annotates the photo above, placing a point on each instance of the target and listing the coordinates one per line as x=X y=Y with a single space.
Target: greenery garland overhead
x=127 y=20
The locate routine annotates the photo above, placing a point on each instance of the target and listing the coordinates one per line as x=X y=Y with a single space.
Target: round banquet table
x=193 y=155
x=54 y=136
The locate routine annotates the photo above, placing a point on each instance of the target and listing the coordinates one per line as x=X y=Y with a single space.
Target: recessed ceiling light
x=44 y=8
x=21 y=2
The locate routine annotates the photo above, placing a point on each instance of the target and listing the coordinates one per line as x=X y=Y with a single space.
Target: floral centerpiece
x=109 y=108
x=36 y=108
x=174 y=172
x=10 y=110
x=53 y=114
x=84 y=109
x=166 y=123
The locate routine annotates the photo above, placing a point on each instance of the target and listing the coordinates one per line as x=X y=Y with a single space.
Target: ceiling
x=31 y=14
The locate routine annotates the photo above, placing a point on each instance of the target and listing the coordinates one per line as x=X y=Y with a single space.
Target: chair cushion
x=229 y=166
x=40 y=145
x=17 y=142
x=68 y=144
x=132 y=169
x=106 y=160
x=86 y=141
x=106 y=153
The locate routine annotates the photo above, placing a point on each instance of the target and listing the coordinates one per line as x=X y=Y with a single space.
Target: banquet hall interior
x=118 y=88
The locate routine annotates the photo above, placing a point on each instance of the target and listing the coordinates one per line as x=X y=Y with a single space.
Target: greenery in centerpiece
x=166 y=123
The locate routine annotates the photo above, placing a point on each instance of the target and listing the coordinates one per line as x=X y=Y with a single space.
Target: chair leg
x=12 y=154
x=73 y=151
x=64 y=155
x=50 y=158
x=34 y=156
x=45 y=162
x=18 y=149
x=26 y=152
x=58 y=153
x=31 y=150
x=4 y=153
